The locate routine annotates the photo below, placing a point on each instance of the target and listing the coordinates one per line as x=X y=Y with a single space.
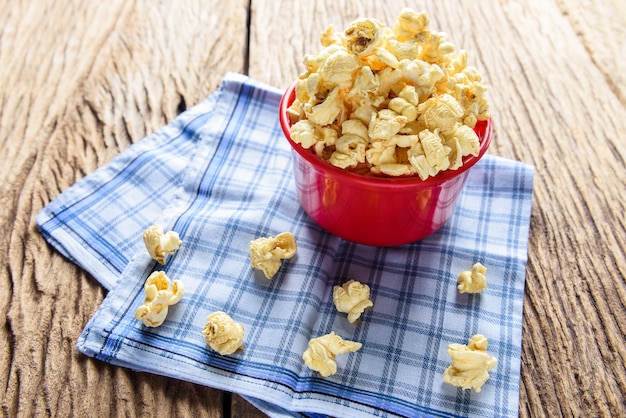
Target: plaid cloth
x=220 y=175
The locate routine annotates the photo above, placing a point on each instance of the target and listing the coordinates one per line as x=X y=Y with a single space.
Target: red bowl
x=375 y=210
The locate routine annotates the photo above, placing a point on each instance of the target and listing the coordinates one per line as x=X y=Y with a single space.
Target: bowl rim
x=468 y=161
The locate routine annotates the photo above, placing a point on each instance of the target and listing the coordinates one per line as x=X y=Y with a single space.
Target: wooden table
x=82 y=80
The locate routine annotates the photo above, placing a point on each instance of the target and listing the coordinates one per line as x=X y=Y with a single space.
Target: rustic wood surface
x=82 y=80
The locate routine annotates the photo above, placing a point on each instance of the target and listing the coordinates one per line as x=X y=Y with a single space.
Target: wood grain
x=78 y=89
x=599 y=26
x=81 y=81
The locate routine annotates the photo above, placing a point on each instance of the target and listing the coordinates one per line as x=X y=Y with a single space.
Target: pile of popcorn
x=389 y=101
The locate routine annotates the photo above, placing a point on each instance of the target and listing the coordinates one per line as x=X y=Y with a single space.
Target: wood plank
x=601 y=28
x=241 y=408
x=82 y=81
x=557 y=102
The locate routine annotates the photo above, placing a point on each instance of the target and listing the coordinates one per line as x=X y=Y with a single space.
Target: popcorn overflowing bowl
x=379 y=211
x=384 y=125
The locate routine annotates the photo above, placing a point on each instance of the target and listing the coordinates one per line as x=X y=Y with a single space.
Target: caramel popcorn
x=267 y=253
x=159 y=296
x=352 y=298
x=159 y=244
x=470 y=364
x=320 y=356
x=473 y=281
x=407 y=85
x=222 y=333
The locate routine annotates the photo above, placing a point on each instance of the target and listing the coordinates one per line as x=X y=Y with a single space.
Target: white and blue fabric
x=221 y=176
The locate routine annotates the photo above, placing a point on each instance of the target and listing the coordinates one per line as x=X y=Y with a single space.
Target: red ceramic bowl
x=374 y=210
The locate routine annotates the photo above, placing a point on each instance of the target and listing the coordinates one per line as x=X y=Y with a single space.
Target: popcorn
x=410 y=24
x=436 y=153
x=394 y=169
x=403 y=107
x=362 y=36
x=402 y=80
x=339 y=68
x=267 y=253
x=159 y=296
x=385 y=124
x=382 y=58
x=223 y=334
x=470 y=364
x=325 y=112
x=436 y=48
x=381 y=154
x=320 y=356
x=364 y=92
x=473 y=281
x=441 y=112
x=159 y=244
x=352 y=298
x=303 y=133
x=419 y=162
x=350 y=146
x=329 y=37
x=423 y=76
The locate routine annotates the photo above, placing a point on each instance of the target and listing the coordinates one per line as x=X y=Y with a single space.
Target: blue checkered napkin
x=224 y=179
x=97 y=223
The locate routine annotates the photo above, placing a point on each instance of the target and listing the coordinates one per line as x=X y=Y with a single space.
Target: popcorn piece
x=389 y=78
x=159 y=296
x=352 y=298
x=400 y=80
x=436 y=153
x=422 y=75
x=364 y=114
x=326 y=137
x=409 y=94
x=381 y=154
x=310 y=135
x=382 y=58
x=159 y=244
x=437 y=48
x=308 y=90
x=464 y=141
x=419 y=162
x=456 y=155
x=354 y=127
x=404 y=141
x=267 y=253
x=473 y=281
x=364 y=91
x=471 y=96
x=320 y=356
x=350 y=146
x=468 y=140
x=385 y=124
x=429 y=156
x=403 y=50
x=223 y=334
x=410 y=24
x=441 y=112
x=362 y=36
x=303 y=133
x=403 y=107
x=339 y=68
x=470 y=364
x=398 y=169
x=325 y=112
x=329 y=37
